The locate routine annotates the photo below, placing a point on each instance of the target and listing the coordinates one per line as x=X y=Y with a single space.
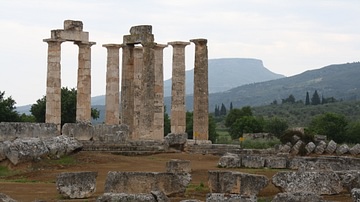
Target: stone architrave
x=127 y=88
x=201 y=92
x=178 y=108
x=73 y=31
x=159 y=93
x=83 y=97
x=53 y=83
x=112 y=102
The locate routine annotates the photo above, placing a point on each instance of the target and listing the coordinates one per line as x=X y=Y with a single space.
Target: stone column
x=83 y=98
x=147 y=110
x=112 y=102
x=201 y=102
x=127 y=84
x=159 y=93
x=178 y=108
x=138 y=66
x=53 y=83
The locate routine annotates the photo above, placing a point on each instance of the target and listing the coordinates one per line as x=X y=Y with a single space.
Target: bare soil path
x=36 y=181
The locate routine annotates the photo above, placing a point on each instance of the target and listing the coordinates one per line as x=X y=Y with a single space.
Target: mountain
x=227 y=73
x=340 y=81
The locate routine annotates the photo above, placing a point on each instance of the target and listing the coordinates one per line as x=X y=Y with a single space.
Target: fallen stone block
x=176 y=141
x=295 y=150
x=216 y=197
x=107 y=197
x=9 y=131
x=355 y=150
x=230 y=160
x=61 y=145
x=342 y=149
x=350 y=179
x=172 y=184
x=2 y=151
x=6 y=198
x=276 y=162
x=355 y=194
x=160 y=196
x=310 y=147
x=178 y=166
x=331 y=147
x=253 y=161
x=320 y=148
x=318 y=182
x=76 y=185
x=298 y=197
x=236 y=182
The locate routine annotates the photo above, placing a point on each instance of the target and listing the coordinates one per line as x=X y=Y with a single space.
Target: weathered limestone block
x=10 y=131
x=216 y=197
x=236 y=182
x=318 y=182
x=2 y=151
x=80 y=131
x=6 y=198
x=25 y=149
x=355 y=194
x=140 y=197
x=320 y=148
x=111 y=133
x=355 y=150
x=276 y=162
x=310 y=147
x=230 y=160
x=296 y=148
x=160 y=196
x=178 y=166
x=342 y=149
x=76 y=184
x=298 y=197
x=253 y=161
x=176 y=141
x=145 y=182
x=331 y=147
x=61 y=145
x=286 y=148
x=350 y=179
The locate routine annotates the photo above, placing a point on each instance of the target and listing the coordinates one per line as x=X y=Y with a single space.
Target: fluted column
x=83 y=98
x=112 y=102
x=53 y=83
x=127 y=91
x=178 y=108
x=201 y=93
x=138 y=66
x=159 y=93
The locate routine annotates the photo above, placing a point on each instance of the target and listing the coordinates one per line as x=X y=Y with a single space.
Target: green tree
x=236 y=114
x=231 y=106
x=212 y=129
x=217 y=112
x=330 y=124
x=315 y=99
x=307 y=100
x=7 y=109
x=353 y=132
x=245 y=124
x=222 y=110
x=167 y=123
x=68 y=107
x=291 y=99
x=189 y=124
x=276 y=126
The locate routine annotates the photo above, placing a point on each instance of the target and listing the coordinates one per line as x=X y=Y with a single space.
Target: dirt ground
x=36 y=181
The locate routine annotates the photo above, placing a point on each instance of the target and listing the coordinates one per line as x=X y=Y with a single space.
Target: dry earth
x=36 y=181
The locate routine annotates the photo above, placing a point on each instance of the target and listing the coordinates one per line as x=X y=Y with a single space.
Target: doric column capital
x=178 y=43
x=82 y=43
x=199 y=41
x=160 y=46
x=112 y=45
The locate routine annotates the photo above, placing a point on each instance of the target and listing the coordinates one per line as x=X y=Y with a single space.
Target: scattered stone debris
x=76 y=185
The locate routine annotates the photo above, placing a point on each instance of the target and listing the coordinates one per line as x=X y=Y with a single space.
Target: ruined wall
x=13 y=130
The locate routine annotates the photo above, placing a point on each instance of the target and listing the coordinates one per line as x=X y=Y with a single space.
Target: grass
x=64 y=160
x=197 y=188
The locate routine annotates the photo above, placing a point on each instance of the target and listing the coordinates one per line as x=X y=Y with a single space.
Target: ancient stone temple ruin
x=73 y=31
x=141 y=104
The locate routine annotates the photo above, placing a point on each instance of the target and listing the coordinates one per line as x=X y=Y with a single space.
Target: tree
x=222 y=110
x=68 y=107
x=330 y=124
x=276 y=126
x=217 y=111
x=231 y=106
x=7 y=109
x=315 y=99
x=291 y=99
x=167 y=123
x=307 y=100
x=353 y=132
x=211 y=127
x=189 y=124
x=245 y=124
x=237 y=113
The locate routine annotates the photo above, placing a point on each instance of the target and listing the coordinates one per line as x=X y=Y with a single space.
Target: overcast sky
x=289 y=36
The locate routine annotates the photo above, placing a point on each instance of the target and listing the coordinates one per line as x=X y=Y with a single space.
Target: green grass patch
x=197 y=188
x=64 y=160
x=4 y=171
